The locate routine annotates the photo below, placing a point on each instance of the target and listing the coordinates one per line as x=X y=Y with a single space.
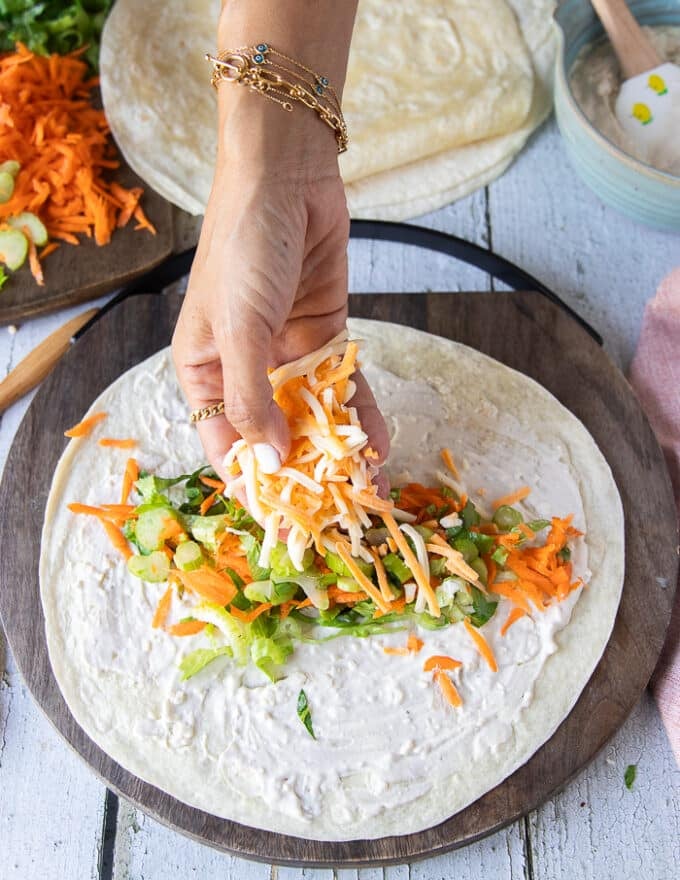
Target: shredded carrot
x=130 y=477
x=172 y=529
x=33 y=261
x=414 y=644
x=214 y=484
x=102 y=513
x=187 y=628
x=512 y=592
x=440 y=661
x=482 y=645
x=342 y=597
x=526 y=531
x=162 y=609
x=208 y=502
x=82 y=429
x=48 y=249
x=447 y=458
x=206 y=583
x=512 y=498
x=116 y=443
x=513 y=617
x=448 y=689
x=49 y=124
x=397 y=606
x=116 y=537
x=253 y=614
x=285 y=608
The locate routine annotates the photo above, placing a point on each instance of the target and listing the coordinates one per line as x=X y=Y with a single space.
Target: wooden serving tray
x=524 y=330
x=76 y=274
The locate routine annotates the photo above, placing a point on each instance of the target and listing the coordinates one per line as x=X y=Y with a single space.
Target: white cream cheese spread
x=595 y=80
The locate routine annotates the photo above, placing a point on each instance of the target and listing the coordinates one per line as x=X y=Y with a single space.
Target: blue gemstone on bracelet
x=319 y=90
x=258 y=59
x=323 y=80
x=262 y=47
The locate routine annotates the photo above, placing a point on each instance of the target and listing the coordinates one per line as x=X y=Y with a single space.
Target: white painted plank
x=501 y=855
x=51 y=805
x=361 y=874
x=397 y=872
x=146 y=849
x=598 y=829
x=384 y=267
x=281 y=873
x=603 y=264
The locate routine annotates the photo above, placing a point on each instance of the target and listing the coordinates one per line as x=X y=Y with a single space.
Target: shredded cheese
x=326 y=482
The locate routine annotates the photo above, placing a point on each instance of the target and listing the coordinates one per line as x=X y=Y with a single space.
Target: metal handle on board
x=498 y=267
x=460 y=249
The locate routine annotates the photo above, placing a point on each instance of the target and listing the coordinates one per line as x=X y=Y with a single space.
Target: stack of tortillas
x=440 y=96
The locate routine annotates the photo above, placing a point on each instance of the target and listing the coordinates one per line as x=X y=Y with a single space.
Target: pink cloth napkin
x=655 y=375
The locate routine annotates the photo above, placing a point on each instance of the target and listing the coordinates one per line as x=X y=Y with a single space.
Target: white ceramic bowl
x=625 y=183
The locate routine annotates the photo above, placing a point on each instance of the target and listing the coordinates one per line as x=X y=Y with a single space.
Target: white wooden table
x=53 y=820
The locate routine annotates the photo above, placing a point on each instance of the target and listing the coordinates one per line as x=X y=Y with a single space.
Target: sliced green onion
x=507 y=517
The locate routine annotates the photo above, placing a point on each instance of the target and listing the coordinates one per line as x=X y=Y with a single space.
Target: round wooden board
x=524 y=330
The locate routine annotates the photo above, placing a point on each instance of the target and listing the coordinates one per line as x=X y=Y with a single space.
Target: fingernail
x=267 y=458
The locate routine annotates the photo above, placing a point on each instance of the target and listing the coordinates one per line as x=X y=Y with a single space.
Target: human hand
x=269 y=284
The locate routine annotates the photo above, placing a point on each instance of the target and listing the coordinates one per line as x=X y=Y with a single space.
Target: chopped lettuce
x=253 y=548
x=199 y=659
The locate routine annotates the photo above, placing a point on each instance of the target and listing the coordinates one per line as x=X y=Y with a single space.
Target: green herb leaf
x=484 y=610
x=199 y=659
x=537 y=525
x=564 y=554
x=3 y=277
x=469 y=515
x=304 y=713
x=629 y=775
x=53 y=26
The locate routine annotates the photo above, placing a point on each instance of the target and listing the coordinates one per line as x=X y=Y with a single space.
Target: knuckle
x=247 y=416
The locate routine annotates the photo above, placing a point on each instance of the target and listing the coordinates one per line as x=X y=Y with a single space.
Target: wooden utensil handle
x=632 y=46
x=36 y=365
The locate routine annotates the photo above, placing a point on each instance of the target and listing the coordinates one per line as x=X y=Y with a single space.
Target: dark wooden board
x=75 y=274
x=524 y=330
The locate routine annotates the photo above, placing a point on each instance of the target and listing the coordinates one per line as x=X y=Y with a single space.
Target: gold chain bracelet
x=281 y=79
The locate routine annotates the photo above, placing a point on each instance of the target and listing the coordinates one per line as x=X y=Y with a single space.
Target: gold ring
x=207 y=412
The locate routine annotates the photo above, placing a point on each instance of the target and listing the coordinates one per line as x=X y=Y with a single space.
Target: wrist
x=260 y=137
x=317 y=34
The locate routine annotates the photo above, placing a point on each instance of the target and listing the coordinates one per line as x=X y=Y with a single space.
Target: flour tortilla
x=425 y=81
x=429 y=184
x=118 y=703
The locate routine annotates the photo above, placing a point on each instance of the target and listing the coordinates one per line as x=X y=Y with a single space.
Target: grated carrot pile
x=50 y=125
